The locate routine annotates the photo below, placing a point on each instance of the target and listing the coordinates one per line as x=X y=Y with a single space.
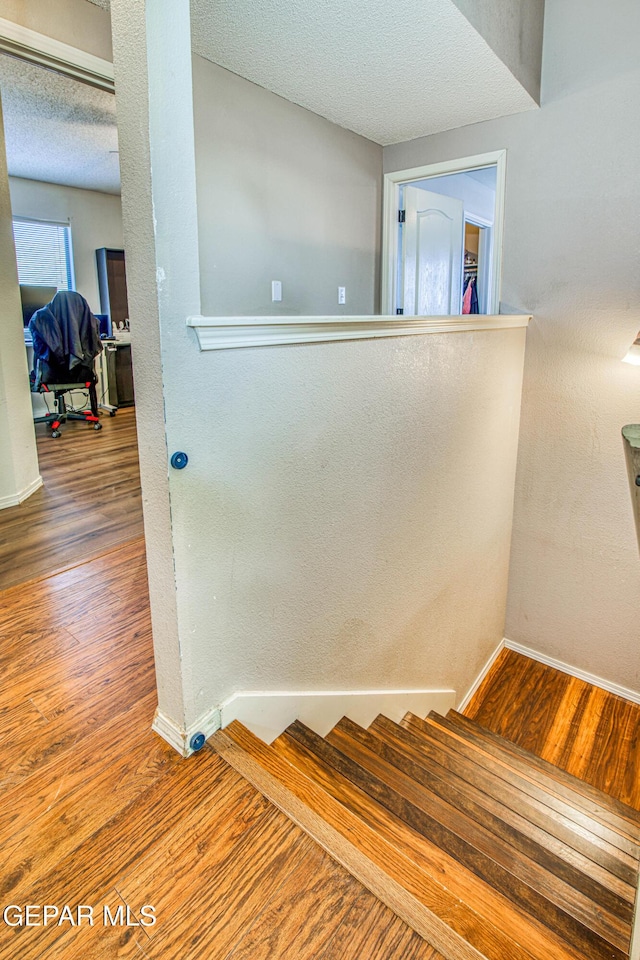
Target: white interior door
x=432 y=253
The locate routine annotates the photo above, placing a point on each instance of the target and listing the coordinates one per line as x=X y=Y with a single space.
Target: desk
x=119 y=369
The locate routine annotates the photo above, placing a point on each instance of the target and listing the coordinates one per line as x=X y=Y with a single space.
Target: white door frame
x=391 y=195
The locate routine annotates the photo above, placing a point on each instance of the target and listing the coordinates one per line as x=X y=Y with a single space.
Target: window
x=43 y=252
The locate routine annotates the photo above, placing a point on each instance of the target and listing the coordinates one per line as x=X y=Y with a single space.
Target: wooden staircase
x=484 y=849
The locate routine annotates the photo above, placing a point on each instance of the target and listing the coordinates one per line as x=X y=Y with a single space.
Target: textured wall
x=570 y=257
x=95 y=220
x=344 y=521
x=345 y=517
x=18 y=458
x=282 y=195
x=131 y=70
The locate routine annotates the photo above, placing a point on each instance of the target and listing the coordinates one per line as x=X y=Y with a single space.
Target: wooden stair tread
x=621 y=810
x=589 y=820
x=486 y=859
x=609 y=866
x=460 y=800
x=437 y=906
x=455 y=843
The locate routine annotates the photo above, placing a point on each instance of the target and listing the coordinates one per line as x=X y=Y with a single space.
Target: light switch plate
x=276 y=290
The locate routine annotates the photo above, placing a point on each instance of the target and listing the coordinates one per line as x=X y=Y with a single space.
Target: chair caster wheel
x=97 y=426
x=55 y=433
x=112 y=413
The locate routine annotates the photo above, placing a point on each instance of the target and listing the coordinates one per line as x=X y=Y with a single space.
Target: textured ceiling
x=389 y=71
x=57 y=129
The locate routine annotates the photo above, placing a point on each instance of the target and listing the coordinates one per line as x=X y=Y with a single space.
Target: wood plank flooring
x=485 y=848
x=98 y=810
x=484 y=855
x=582 y=729
x=90 y=501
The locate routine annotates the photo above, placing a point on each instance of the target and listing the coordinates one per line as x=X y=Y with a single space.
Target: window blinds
x=43 y=252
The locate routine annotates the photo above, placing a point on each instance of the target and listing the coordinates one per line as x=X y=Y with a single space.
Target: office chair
x=66 y=341
x=62 y=413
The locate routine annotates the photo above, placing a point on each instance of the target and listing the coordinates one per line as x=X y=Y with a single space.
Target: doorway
x=64 y=205
x=442 y=237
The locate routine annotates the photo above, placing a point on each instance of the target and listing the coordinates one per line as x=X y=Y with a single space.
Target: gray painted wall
x=18 y=457
x=132 y=78
x=345 y=518
x=513 y=30
x=571 y=258
x=95 y=220
x=328 y=532
x=282 y=195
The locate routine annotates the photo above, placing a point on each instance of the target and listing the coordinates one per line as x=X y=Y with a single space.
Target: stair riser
x=515 y=931
x=567 y=788
x=292 y=781
x=434 y=824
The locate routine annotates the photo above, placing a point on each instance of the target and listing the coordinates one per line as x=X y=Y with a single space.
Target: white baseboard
x=466 y=700
x=268 y=714
x=16 y=498
x=179 y=738
x=591 y=678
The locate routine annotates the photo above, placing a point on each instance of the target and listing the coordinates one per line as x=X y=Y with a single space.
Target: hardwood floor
x=98 y=810
x=482 y=857
x=90 y=501
x=472 y=842
x=580 y=728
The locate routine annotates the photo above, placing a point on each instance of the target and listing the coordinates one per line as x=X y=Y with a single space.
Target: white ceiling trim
x=26 y=44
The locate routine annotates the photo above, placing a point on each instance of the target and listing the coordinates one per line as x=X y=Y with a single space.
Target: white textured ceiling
x=58 y=129
x=389 y=71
